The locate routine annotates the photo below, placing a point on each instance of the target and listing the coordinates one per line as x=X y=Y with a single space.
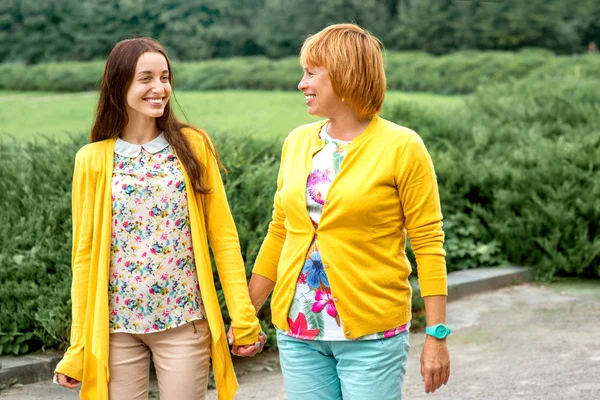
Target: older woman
x=349 y=190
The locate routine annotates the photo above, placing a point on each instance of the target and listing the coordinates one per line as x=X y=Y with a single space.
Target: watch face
x=441 y=331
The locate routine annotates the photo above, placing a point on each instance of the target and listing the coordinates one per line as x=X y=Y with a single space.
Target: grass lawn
x=26 y=115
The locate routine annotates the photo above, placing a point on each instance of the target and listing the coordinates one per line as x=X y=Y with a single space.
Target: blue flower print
x=315 y=274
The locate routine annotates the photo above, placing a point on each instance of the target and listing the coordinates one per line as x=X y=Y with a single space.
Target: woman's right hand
x=65 y=381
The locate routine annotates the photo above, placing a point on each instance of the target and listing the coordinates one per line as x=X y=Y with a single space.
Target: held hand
x=435 y=364
x=249 y=350
x=65 y=381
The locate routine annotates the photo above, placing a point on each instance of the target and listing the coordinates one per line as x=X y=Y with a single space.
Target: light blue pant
x=348 y=370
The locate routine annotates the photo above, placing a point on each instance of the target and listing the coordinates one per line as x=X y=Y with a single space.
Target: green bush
x=517 y=168
x=456 y=73
x=518 y=174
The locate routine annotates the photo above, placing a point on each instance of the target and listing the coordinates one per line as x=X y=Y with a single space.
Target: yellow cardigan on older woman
x=210 y=219
x=385 y=190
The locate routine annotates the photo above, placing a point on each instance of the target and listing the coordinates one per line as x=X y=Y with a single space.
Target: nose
x=303 y=84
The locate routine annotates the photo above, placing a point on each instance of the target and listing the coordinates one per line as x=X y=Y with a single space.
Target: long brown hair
x=111 y=115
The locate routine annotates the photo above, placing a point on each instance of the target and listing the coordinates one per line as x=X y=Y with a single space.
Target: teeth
x=154 y=101
x=312 y=96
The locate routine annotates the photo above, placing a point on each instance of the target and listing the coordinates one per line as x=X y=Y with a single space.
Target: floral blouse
x=153 y=283
x=313 y=314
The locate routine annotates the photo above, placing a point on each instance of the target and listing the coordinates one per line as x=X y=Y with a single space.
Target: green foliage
x=83 y=30
x=518 y=174
x=457 y=73
x=517 y=170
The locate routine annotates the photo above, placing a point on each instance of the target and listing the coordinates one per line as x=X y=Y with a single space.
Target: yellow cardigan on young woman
x=386 y=188
x=210 y=218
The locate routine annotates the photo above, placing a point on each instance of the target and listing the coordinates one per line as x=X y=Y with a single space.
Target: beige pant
x=181 y=358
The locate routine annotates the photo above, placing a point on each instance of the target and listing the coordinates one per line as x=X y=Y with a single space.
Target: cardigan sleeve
x=270 y=250
x=83 y=194
x=419 y=197
x=224 y=241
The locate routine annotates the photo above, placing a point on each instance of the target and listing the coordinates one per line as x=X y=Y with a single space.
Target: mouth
x=309 y=97
x=155 y=101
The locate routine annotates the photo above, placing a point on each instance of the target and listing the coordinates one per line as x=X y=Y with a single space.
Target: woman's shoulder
x=94 y=151
x=197 y=138
x=397 y=133
x=302 y=132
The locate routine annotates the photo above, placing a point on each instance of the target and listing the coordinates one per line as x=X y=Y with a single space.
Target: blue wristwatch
x=439 y=331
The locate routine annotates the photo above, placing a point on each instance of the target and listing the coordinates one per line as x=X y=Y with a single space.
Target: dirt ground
x=522 y=342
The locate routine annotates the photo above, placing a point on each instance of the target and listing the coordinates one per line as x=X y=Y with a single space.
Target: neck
x=347 y=127
x=140 y=130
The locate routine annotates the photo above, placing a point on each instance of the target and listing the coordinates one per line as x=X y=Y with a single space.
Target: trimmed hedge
x=456 y=73
x=518 y=171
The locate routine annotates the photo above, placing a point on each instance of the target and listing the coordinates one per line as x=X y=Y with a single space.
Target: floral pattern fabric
x=153 y=283
x=313 y=314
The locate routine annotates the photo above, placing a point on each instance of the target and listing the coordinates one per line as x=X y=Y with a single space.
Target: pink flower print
x=151 y=291
x=144 y=254
x=139 y=315
x=164 y=199
x=299 y=328
x=114 y=275
x=138 y=239
x=164 y=277
x=324 y=300
x=165 y=313
x=302 y=279
x=170 y=260
x=113 y=312
x=317 y=181
x=127 y=301
x=120 y=259
x=190 y=310
x=116 y=221
x=137 y=201
x=178 y=300
x=127 y=263
x=148 y=174
x=168 y=300
x=170 y=183
x=188 y=273
x=138 y=279
x=163 y=236
x=390 y=333
x=152 y=251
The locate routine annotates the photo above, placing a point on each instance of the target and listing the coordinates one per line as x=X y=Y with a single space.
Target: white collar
x=130 y=150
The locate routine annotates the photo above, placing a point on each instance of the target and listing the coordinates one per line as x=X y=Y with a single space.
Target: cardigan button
x=347 y=333
x=326 y=266
x=335 y=299
x=326 y=201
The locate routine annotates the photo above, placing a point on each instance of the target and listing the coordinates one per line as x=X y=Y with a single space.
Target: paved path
x=522 y=342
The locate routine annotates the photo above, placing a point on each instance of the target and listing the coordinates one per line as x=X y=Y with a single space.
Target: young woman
x=349 y=190
x=147 y=199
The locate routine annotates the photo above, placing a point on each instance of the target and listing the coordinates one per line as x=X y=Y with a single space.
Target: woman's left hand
x=435 y=364
x=249 y=350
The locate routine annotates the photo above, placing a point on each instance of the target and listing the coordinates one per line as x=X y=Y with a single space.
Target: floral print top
x=153 y=283
x=313 y=314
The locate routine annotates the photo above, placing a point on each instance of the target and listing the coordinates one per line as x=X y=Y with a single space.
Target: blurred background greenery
x=506 y=96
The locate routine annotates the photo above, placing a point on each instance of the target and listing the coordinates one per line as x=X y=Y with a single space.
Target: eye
x=165 y=78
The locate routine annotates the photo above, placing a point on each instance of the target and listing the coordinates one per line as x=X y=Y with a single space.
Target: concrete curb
x=39 y=367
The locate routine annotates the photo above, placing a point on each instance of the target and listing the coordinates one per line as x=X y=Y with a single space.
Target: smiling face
x=319 y=94
x=150 y=88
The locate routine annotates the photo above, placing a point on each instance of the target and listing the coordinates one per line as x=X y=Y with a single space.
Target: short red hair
x=353 y=58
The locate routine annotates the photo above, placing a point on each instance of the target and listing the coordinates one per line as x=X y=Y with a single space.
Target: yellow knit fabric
x=210 y=218
x=386 y=189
